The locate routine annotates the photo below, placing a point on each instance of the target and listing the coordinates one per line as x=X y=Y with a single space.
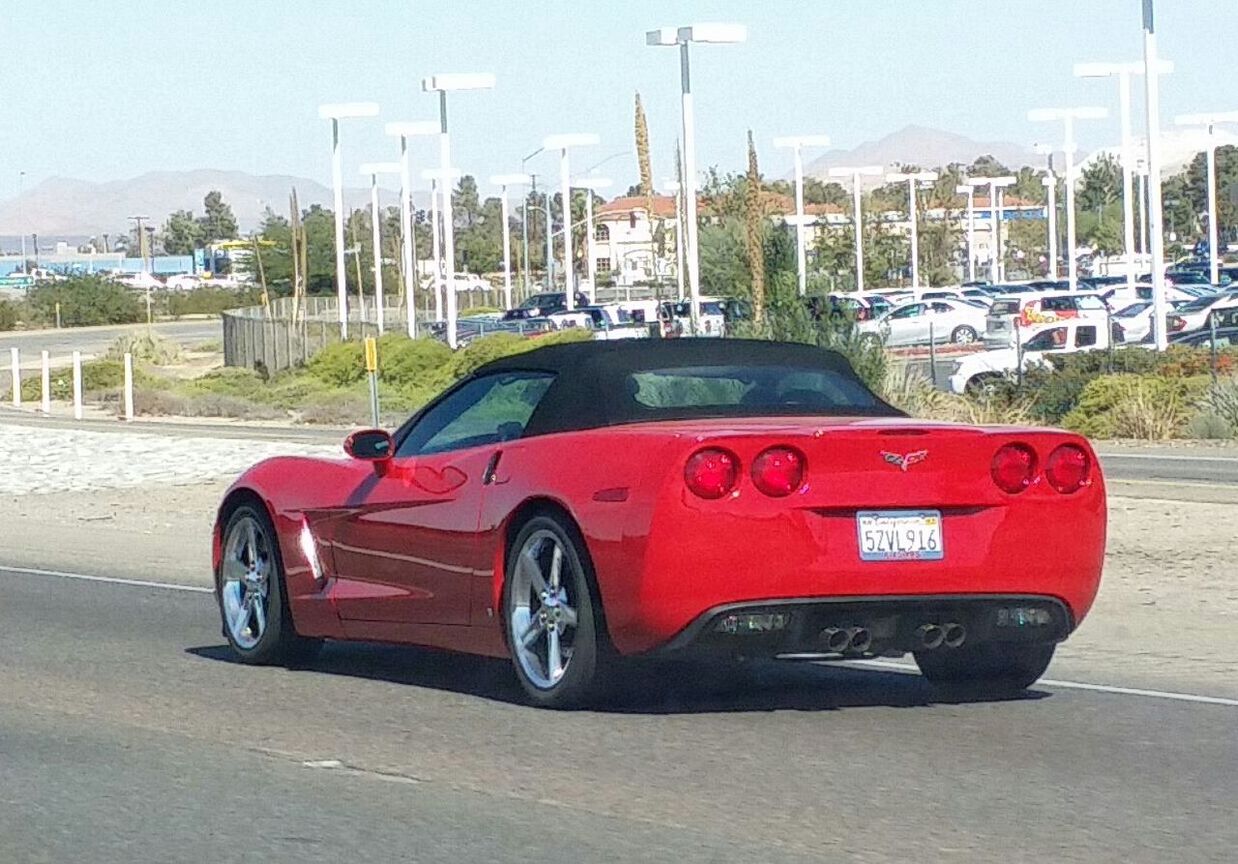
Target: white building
x=624 y=239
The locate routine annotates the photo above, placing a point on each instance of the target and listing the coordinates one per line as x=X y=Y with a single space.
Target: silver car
x=957 y=321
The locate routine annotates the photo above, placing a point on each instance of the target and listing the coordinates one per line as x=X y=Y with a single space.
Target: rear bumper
x=890 y=625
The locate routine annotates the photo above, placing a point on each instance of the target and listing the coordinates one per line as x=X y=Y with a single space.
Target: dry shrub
x=1149 y=413
x=910 y=390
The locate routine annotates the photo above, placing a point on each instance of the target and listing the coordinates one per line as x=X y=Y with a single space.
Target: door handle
x=491 y=467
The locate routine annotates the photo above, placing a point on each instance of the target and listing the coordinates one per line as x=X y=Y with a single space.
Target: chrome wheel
x=245 y=588
x=542 y=618
x=964 y=336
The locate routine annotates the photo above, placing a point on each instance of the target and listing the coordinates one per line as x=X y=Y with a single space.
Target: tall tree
x=642 y=150
x=219 y=223
x=181 y=233
x=466 y=202
x=754 y=232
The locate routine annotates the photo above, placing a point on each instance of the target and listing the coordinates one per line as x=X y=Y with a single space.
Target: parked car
x=1195 y=315
x=853 y=306
x=541 y=305
x=979 y=295
x=579 y=504
x=977 y=372
x=1132 y=321
x=1009 y=314
x=954 y=321
x=675 y=317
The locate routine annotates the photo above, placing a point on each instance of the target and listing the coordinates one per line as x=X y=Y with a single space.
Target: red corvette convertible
x=584 y=503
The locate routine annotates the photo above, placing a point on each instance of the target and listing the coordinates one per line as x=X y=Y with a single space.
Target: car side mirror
x=370 y=445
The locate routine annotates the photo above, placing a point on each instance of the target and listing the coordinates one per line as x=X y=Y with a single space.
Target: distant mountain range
x=65 y=207
x=921 y=147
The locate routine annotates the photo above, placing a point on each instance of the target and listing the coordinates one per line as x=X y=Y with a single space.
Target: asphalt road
x=127 y=735
x=92 y=341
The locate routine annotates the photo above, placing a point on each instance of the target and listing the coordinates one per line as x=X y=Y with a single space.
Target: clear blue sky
x=111 y=91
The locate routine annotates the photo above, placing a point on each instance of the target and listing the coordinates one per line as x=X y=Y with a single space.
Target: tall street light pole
x=1152 y=94
x=563 y=143
x=1049 y=181
x=995 y=219
x=408 y=245
x=21 y=217
x=913 y=181
x=1123 y=72
x=1067 y=117
x=503 y=181
x=683 y=37
x=444 y=84
x=1210 y=122
x=970 y=192
x=373 y=169
x=857 y=198
x=797 y=143
x=590 y=185
x=335 y=113
x=524 y=219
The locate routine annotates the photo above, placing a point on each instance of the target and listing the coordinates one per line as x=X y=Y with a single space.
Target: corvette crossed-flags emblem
x=903 y=461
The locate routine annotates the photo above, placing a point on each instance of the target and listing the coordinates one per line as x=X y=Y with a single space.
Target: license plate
x=900 y=535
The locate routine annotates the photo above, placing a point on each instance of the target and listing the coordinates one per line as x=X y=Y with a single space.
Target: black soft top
x=591 y=378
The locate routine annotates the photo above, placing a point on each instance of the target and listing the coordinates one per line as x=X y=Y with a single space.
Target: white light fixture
x=373 y=170
x=856 y=200
x=408 y=245
x=674 y=187
x=563 y=143
x=970 y=192
x=913 y=180
x=995 y=184
x=503 y=181
x=1210 y=122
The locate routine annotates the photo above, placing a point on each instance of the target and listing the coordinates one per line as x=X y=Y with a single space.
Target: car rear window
x=750 y=389
x=1004 y=307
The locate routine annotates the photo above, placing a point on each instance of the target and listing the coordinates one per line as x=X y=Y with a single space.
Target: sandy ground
x=1166 y=616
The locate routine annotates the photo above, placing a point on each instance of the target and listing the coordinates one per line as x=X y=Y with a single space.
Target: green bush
x=85 y=301
x=145 y=348
x=488 y=348
x=10 y=314
x=228 y=381
x=1222 y=400
x=1148 y=407
x=339 y=364
x=1057 y=391
x=1209 y=426
x=405 y=362
x=208 y=300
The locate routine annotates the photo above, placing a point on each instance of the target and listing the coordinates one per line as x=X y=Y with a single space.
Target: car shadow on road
x=663 y=687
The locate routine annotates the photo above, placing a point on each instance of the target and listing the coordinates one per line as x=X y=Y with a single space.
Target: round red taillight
x=1014 y=467
x=1068 y=468
x=778 y=471
x=711 y=473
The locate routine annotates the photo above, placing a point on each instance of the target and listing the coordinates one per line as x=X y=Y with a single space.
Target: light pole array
x=335 y=113
x=524 y=219
x=1049 y=181
x=503 y=181
x=683 y=37
x=373 y=170
x=589 y=184
x=1123 y=72
x=563 y=143
x=857 y=196
x=913 y=181
x=970 y=192
x=408 y=245
x=673 y=187
x=1152 y=100
x=444 y=84
x=437 y=181
x=995 y=184
x=1209 y=122
x=797 y=143
x=1068 y=116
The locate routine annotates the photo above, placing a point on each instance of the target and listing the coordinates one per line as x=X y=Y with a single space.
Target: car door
x=907 y=323
x=407 y=548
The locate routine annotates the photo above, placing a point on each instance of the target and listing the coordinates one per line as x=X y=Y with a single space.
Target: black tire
x=580 y=682
x=964 y=335
x=984 y=386
x=987 y=668
x=279 y=643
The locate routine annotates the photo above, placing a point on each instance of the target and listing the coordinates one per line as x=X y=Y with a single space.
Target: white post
x=409 y=239
x=77 y=385
x=859 y=231
x=999 y=259
x=912 y=208
x=449 y=232
x=1151 y=82
x=1051 y=190
x=377 y=243
x=438 y=252
x=1143 y=211
x=128 y=387
x=565 y=190
x=46 y=385
x=1072 y=266
x=971 y=234
x=691 y=252
x=1214 y=254
x=15 y=360
x=589 y=249
x=801 y=254
x=679 y=250
x=507 y=253
x=1128 y=210
x=337 y=185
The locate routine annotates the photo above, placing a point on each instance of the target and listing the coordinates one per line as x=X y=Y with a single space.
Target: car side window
x=1085 y=337
x=942 y=307
x=1088 y=302
x=486 y=410
x=1047 y=340
x=1057 y=304
x=908 y=311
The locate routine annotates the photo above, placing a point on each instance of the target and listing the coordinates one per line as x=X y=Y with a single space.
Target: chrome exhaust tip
x=954 y=635
x=861 y=640
x=931 y=636
x=835 y=639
